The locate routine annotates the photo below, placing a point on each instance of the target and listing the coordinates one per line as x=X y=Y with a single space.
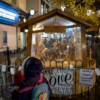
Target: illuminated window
x=42 y=7
x=47 y=8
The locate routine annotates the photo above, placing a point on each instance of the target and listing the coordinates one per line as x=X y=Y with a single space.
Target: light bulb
x=24 y=20
x=32 y=12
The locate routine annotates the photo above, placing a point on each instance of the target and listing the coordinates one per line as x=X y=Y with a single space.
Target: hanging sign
x=60 y=81
x=86 y=77
x=12 y=65
x=2 y=81
x=3 y=68
x=8 y=14
x=12 y=70
x=97 y=71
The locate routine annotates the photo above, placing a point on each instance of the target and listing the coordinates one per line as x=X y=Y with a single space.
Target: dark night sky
x=97 y=5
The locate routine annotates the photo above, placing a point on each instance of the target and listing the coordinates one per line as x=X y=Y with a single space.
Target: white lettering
x=7 y=16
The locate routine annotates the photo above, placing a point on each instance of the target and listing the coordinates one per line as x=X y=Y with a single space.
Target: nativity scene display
x=49 y=46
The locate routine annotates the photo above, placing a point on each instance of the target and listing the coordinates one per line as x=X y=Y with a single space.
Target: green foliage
x=79 y=8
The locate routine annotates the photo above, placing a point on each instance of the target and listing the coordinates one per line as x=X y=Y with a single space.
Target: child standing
x=32 y=68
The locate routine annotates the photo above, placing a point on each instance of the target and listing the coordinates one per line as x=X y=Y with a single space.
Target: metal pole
x=8 y=58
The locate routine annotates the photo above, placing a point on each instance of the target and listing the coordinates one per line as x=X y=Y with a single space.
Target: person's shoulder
x=45 y=79
x=24 y=82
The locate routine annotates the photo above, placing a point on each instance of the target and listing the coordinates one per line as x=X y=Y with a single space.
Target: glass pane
x=67 y=45
x=42 y=9
x=4 y=38
x=56 y=20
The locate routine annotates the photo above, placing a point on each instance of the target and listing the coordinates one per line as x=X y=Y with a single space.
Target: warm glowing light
x=68 y=47
x=93 y=12
x=38 y=28
x=66 y=62
x=26 y=30
x=99 y=36
x=34 y=29
x=63 y=8
x=89 y=12
x=24 y=20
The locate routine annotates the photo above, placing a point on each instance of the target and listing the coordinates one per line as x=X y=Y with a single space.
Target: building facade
x=8 y=17
x=40 y=6
x=17 y=3
x=10 y=13
x=14 y=36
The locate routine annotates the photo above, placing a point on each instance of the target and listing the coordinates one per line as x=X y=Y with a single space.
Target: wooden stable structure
x=61 y=29
x=78 y=23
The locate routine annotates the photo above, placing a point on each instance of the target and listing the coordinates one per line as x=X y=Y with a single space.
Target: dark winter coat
x=32 y=69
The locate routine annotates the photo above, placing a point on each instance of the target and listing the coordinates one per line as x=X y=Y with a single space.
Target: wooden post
x=83 y=45
x=29 y=40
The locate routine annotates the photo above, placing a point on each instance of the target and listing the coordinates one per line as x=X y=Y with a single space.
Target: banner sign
x=2 y=82
x=3 y=68
x=97 y=71
x=86 y=77
x=8 y=14
x=60 y=81
x=12 y=70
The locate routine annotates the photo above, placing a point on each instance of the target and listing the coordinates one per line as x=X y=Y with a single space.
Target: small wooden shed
x=57 y=28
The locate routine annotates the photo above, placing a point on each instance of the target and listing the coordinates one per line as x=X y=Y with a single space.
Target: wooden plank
x=37 y=31
x=59 y=29
x=92 y=29
x=83 y=45
x=29 y=41
x=54 y=29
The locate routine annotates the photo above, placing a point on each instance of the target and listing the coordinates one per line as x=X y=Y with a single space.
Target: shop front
x=8 y=17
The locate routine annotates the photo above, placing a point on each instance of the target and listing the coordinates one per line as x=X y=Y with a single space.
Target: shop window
x=4 y=38
x=42 y=7
x=14 y=2
x=22 y=40
x=47 y=8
